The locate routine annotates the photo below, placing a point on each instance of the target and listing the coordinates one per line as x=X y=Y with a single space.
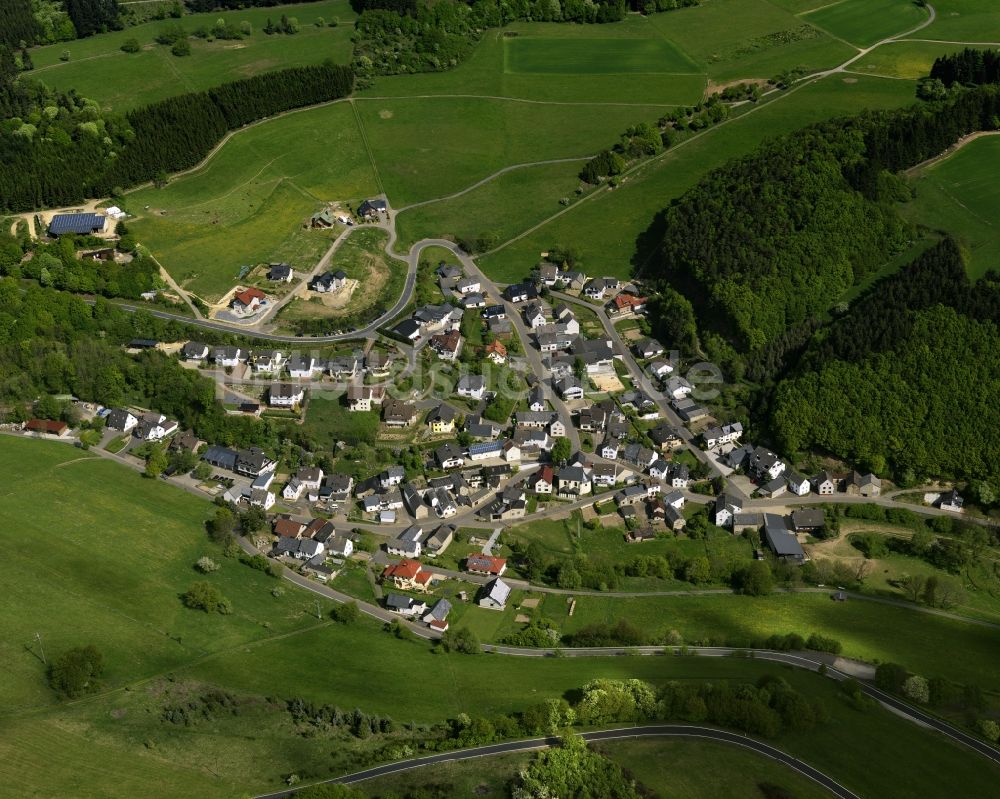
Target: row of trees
x=73 y=151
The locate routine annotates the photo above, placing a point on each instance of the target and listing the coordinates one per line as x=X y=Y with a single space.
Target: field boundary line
x=368 y=149
x=528 y=100
x=488 y=178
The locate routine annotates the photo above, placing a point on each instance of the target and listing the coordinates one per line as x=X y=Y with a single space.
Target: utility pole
x=38 y=638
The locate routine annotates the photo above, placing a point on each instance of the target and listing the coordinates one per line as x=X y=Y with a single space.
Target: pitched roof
x=247 y=296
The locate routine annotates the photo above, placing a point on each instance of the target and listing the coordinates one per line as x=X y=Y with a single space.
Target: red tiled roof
x=287 y=528
x=628 y=301
x=485 y=563
x=406 y=569
x=497 y=347
x=547 y=474
x=439 y=624
x=247 y=296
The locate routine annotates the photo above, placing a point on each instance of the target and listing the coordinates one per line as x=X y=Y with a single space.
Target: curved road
x=646 y=731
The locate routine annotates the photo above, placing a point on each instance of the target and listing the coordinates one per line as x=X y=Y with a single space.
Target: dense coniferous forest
x=907 y=379
x=93 y=16
x=970 y=67
x=196 y=6
x=18 y=23
x=769 y=242
x=75 y=152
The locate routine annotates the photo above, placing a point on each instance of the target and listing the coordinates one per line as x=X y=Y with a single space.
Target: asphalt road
x=648 y=731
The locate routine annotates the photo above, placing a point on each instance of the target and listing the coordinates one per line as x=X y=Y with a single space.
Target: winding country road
x=617 y=734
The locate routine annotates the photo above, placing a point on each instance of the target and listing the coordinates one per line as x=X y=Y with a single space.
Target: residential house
x=725 y=434
x=266 y=361
x=673 y=518
x=194 y=351
x=496 y=351
x=494 y=312
x=467 y=285
x=392 y=476
x=951 y=501
x=593 y=419
x=747 y=521
x=487 y=565
x=221 y=457
x=340 y=546
x=865 y=485
x=531 y=441
x=398 y=413
x=631 y=495
x=447 y=345
x=797 y=484
x=405 y=605
x=677 y=387
x=569 y=388
x=495 y=594
x=344 y=367
x=253 y=462
x=361 y=398
x=473 y=300
x=665 y=437
x=543 y=480
x=154 y=427
x=248 y=301
x=573 y=480
x=511 y=452
x=441 y=419
x=287 y=528
x=609 y=449
x=293 y=490
x=726 y=506
x=604 y=475
x=449 y=456
x=595 y=289
x=764 y=464
x=227 y=357
x=689 y=410
x=438 y=541
x=554 y=340
x=262 y=498
x=414 y=502
x=437 y=616
x=285 y=395
x=501 y=329
x=449 y=271
x=322 y=219
x=373 y=209
x=329 y=282
x=519 y=292
x=547 y=274
x=824 y=484
x=280 y=273
x=302 y=367
x=185 y=442
x=478 y=427
x=409 y=544
x=648 y=348
x=121 y=420
x=639 y=535
x=408 y=330
x=471 y=386
x=679 y=475
x=659 y=369
x=534 y=316
x=659 y=469
x=626 y=304
x=438 y=318
x=557 y=428
x=641 y=456
x=377 y=363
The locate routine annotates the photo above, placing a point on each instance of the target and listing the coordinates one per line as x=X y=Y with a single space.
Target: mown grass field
x=864 y=22
x=963 y=21
x=431 y=147
x=961 y=195
x=598 y=56
x=97 y=554
x=100 y=70
x=250 y=202
x=615 y=232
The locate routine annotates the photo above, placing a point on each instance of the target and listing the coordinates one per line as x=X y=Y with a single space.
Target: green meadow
x=614 y=231
x=579 y=56
x=865 y=22
x=964 y=21
x=961 y=195
x=100 y=70
x=250 y=202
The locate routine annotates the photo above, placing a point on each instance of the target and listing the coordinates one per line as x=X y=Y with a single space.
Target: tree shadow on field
x=648 y=246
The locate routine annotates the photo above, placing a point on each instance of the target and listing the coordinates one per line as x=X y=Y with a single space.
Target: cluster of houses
x=145 y=426
x=314 y=542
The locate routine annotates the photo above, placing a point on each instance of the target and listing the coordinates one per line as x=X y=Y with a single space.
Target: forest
x=58 y=149
x=769 y=242
x=970 y=67
x=902 y=383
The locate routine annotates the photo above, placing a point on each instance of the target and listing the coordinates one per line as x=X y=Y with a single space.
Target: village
x=548 y=400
